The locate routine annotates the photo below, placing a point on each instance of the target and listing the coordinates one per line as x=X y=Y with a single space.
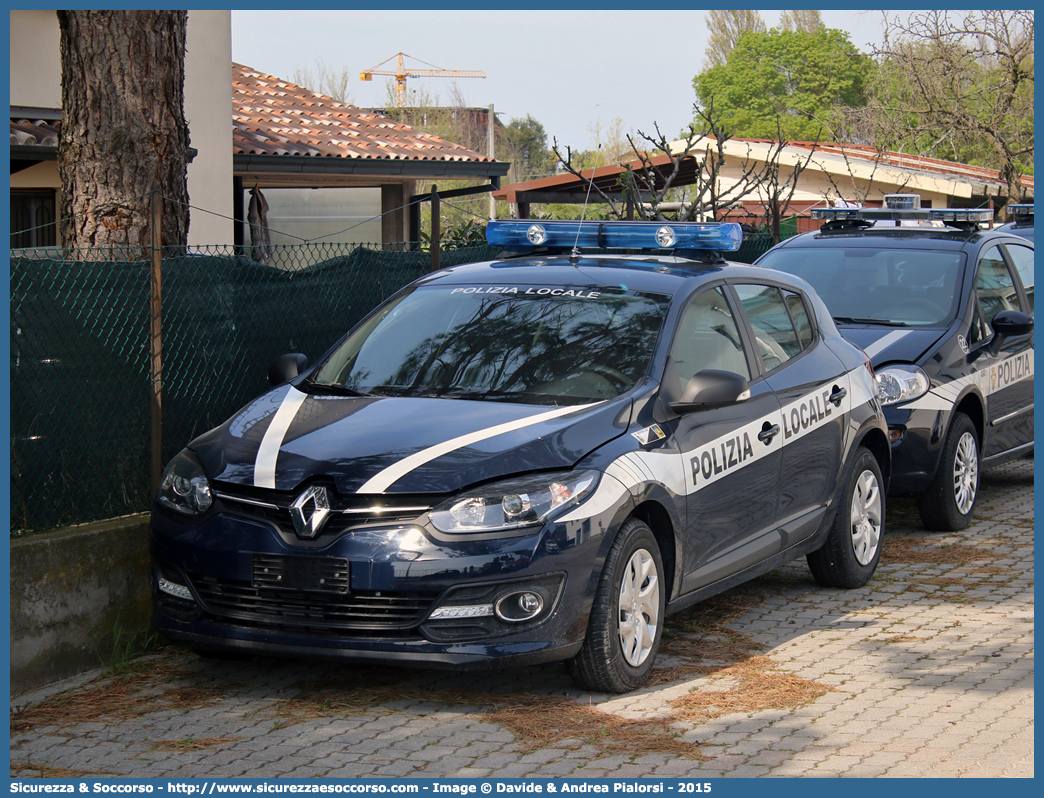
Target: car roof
x=898 y=238
x=664 y=274
x=1023 y=230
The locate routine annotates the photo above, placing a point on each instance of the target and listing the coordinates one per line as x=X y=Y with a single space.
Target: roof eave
x=33 y=152
x=410 y=168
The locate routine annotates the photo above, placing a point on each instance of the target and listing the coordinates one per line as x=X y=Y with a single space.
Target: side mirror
x=711 y=388
x=1010 y=324
x=285 y=367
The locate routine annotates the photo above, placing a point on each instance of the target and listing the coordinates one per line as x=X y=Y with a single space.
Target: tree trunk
x=123 y=127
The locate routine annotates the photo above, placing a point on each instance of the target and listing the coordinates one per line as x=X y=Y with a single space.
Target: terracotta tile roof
x=905 y=161
x=34 y=132
x=271 y=116
x=606 y=176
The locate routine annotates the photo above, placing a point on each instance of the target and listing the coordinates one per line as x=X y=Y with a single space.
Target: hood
x=399 y=445
x=889 y=344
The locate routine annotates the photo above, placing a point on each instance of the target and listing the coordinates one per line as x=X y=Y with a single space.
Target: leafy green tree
x=523 y=142
x=796 y=77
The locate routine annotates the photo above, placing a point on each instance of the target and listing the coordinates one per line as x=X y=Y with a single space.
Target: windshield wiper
x=482 y=395
x=334 y=389
x=885 y=322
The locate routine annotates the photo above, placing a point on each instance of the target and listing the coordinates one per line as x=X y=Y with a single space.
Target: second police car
x=1021 y=223
x=531 y=459
x=945 y=311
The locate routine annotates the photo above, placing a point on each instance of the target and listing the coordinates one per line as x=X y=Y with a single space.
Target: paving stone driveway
x=927 y=671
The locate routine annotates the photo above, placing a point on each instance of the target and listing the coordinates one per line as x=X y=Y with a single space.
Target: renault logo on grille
x=309 y=511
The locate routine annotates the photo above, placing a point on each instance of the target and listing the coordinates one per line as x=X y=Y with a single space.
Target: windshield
x=527 y=344
x=900 y=287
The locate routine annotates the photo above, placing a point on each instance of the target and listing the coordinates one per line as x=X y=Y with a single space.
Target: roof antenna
x=574 y=256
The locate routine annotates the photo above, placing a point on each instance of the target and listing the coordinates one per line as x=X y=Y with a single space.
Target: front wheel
x=849 y=556
x=949 y=502
x=623 y=633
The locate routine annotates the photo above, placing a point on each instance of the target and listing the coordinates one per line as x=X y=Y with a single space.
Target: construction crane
x=401 y=73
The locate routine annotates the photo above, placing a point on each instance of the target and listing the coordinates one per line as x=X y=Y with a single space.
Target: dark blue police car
x=531 y=459
x=944 y=309
x=1021 y=223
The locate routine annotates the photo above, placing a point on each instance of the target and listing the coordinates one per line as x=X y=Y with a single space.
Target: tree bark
x=123 y=132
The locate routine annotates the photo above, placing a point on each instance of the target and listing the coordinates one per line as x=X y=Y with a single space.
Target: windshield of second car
x=915 y=288
x=528 y=344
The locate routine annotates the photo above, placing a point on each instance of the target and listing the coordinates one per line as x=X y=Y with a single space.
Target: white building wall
x=36 y=67
x=208 y=108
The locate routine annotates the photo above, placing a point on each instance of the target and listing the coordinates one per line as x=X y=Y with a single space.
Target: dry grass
x=141 y=690
x=759 y=684
x=900 y=639
x=192 y=743
x=537 y=721
x=911 y=549
x=948 y=588
x=546 y=721
x=27 y=770
x=714 y=615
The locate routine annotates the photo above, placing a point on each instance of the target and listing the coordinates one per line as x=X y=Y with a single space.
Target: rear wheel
x=623 y=633
x=949 y=502
x=849 y=556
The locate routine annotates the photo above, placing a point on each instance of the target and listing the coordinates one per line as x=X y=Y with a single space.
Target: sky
x=570 y=70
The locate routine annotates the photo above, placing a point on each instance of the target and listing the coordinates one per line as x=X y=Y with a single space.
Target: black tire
x=604 y=664
x=850 y=554
x=949 y=502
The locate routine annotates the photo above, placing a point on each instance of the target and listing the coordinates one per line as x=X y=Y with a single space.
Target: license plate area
x=311 y=574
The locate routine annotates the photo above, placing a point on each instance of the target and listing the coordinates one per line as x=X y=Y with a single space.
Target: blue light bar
x=903 y=202
x=962 y=215
x=1020 y=212
x=528 y=233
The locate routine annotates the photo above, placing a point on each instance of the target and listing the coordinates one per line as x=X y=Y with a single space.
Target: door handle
x=768 y=433
x=838 y=395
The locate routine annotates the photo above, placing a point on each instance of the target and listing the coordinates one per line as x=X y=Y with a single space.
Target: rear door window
x=775 y=337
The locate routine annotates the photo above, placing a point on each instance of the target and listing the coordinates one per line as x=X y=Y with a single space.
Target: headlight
x=897 y=384
x=184 y=486
x=513 y=503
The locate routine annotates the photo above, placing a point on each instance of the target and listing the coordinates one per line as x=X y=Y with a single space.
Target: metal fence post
x=436 y=229
x=156 y=341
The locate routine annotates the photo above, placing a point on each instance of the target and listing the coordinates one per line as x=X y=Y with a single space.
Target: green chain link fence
x=752 y=248
x=80 y=401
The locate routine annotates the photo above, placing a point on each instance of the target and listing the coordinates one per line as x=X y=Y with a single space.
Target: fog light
x=174 y=589
x=894 y=435
x=473 y=611
x=517 y=607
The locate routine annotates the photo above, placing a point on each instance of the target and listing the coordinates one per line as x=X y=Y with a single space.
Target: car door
x=732 y=476
x=1007 y=381
x=813 y=391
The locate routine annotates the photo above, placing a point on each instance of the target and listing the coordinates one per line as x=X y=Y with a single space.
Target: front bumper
x=915 y=456
x=397 y=577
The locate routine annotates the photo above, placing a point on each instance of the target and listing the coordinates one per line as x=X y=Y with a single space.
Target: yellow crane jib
x=401 y=73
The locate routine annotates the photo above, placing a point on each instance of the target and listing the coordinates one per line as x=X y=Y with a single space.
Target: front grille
x=346 y=512
x=365 y=613
x=309 y=574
